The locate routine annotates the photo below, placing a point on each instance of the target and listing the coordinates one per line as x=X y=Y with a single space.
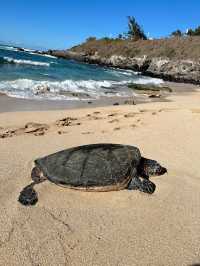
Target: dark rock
x=115 y=103
x=20 y=49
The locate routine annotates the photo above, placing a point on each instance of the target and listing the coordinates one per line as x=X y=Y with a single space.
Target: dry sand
x=123 y=228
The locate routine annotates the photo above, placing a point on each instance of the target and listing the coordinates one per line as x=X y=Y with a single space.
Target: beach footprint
x=87 y=133
x=114 y=121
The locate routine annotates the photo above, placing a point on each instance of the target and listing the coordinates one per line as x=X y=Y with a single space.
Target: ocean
x=24 y=74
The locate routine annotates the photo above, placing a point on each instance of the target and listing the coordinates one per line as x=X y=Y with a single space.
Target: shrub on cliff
x=195 y=32
x=91 y=39
x=176 y=33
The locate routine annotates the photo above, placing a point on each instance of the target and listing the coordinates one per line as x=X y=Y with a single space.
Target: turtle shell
x=100 y=167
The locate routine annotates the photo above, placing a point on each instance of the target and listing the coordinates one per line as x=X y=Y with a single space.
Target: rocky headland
x=173 y=59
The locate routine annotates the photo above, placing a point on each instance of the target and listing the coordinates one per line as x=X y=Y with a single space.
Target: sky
x=63 y=23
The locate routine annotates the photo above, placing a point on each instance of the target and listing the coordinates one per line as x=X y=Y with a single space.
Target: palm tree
x=135 y=31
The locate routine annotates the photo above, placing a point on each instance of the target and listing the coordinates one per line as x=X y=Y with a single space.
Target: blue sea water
x=24 y=74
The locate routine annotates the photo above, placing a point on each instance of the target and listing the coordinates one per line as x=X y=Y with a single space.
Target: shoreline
x=12 y=104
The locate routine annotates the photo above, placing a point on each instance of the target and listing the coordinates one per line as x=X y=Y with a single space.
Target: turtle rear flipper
x=28 y=196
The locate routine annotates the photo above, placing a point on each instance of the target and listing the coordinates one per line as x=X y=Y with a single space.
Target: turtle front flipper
x=28 y=196
x=144 y=185
x=147 y=186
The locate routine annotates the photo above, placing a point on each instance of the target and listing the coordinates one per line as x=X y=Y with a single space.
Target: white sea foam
x=27 y=88
x=45 y=55
x=118 y=72
x=25 y=62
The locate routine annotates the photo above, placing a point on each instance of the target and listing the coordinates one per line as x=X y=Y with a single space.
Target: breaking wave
x=69 y=89
x=11 y=60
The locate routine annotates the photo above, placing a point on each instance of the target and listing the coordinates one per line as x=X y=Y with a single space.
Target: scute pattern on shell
x=94 y=165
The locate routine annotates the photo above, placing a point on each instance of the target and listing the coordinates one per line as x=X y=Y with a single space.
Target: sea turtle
x=94 y=167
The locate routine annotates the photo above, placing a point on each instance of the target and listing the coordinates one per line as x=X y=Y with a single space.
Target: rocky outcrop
x=175 y=70
x=186 y=71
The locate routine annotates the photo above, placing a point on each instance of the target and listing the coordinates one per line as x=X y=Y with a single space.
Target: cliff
x=173 y=59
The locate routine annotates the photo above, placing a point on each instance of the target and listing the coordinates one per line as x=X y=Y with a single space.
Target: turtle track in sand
x=62 y=126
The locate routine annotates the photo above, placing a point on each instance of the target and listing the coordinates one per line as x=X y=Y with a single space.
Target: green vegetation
x=195 y=32
x=134 y=43
x=173 y=48
x=135 y=31
x=190 y=32
x=91 y=39
x=177 y=33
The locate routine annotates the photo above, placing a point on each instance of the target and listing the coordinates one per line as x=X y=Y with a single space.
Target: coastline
x=76 y=228
x=12 y=104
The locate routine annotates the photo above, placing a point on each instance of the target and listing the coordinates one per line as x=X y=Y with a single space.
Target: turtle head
x=149 y=167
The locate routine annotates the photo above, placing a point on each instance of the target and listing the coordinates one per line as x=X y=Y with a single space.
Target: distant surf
x=26 y=74
x=26 y=62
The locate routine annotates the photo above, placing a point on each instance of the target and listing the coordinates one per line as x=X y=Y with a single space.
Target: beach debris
x=5 y=133
x=117 y=128
x=65 y=122
x=116 y=103
x=36 y=128
x=30 y=128
x=89 y=102
x=10 y=132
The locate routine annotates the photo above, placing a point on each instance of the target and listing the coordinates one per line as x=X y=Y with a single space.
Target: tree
x=120 y=36
x=176 y=33
x=190 y=32
x=195 y=32
x=135 y=31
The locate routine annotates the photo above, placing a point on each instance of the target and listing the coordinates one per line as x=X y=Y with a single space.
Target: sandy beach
x=123 y=228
